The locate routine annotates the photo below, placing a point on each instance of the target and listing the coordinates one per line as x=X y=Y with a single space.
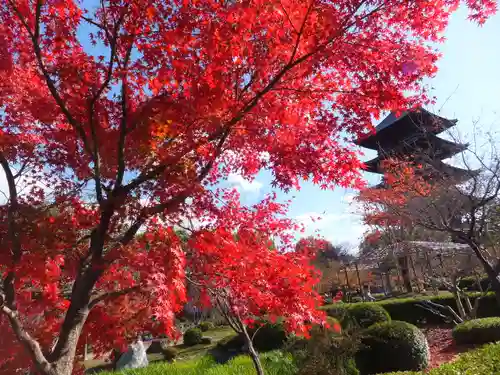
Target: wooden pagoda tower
x=414 y=135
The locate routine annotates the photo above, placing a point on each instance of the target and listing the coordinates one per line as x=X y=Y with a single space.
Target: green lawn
x=196 y=351
x=275 y=363
x=184 y=352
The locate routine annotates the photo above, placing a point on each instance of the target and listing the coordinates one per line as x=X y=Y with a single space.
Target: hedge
x=483 y=361
x=470 y=283
x=477 y=331
x=407 y=309
x=358 y=315
x=392 y=346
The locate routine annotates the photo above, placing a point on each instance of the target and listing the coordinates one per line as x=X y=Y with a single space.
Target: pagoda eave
x=393 y=130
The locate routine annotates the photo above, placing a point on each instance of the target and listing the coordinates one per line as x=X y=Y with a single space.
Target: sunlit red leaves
x=257 y=281
x=388 y=205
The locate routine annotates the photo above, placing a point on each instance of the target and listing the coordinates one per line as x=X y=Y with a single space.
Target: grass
x=196 y=351
x=274 y=363
x=183 y=352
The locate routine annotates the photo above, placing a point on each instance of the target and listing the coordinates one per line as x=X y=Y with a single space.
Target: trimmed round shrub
x=392 y=346
x=270 y=336
x=358 y=315
x=470 y=283
x=206 y=326
x=338 y=311
x=367 y=314
x=477 y=331
x=193 y=336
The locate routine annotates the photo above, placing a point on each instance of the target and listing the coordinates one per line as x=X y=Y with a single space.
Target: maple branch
x=113 y=43
x=112 y=295
x=50 y=83
x=21 y=170
x=124 y=119
x=29 y=342
x=13 y=230
x=147 y=213
x=301 y=31
x=288 y=17
x=291 y=64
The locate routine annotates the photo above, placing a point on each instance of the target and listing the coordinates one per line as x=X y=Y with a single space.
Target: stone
x=134 y=357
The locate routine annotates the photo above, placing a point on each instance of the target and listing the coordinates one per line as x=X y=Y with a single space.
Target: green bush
x=477 y=331
x=367 y=314
x=206 y=326
x=358 y=315
x=193 y=336
x=268 y=336
x=231 y=343
x=392 y=346
x=408 y=309
x=324 y=353
x=483 y=361
x=337 y=310
x=470 y=283
x=157 y=346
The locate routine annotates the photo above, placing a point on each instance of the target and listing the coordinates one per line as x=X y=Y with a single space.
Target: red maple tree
x=113 y=116
x=240 y=276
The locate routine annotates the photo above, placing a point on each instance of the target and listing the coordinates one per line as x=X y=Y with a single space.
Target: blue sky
x=467 y=88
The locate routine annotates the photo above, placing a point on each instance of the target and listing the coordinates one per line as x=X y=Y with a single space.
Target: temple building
x=414 y=135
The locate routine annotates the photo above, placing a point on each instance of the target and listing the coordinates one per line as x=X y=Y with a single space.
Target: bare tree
x=460 y=202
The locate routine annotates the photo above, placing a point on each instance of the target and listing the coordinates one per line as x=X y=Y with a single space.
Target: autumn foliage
x=120 y=118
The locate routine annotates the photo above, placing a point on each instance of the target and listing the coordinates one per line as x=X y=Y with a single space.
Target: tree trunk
x=488 y=268
x=252 y=352
x=361 y=287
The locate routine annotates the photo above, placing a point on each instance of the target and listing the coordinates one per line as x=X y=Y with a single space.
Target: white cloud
x=339 y=228
x=318 y=220
x=244 y=185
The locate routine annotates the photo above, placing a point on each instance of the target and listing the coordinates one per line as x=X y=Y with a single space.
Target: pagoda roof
x=438 y=167
x=410 y=124
x=433 y=147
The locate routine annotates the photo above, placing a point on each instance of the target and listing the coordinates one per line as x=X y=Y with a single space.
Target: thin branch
x=123 y=123
x=29 y=342
x=112 y=295
x=50 y=83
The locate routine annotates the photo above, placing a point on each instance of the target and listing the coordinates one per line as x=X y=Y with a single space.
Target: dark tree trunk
x=489 y=268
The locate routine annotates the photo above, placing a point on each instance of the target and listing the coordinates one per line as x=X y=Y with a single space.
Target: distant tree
x=325 y=251
x=466 y=209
